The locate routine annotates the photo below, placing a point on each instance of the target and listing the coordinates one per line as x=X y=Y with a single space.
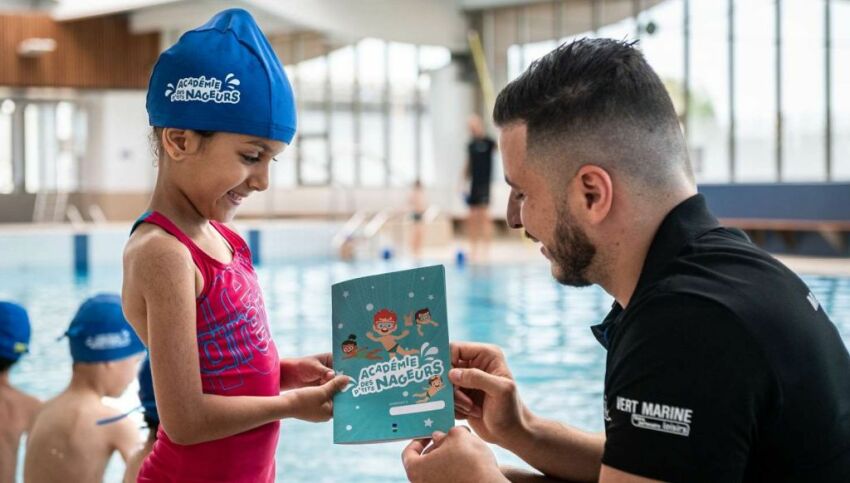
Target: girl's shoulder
x=149 y=241
x=151 y=255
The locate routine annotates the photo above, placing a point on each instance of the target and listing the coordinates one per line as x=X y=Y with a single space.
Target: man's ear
x=595 y=191
x=180 y=144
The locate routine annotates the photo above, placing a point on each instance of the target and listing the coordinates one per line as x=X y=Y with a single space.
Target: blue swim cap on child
x=223 y=76
x=100 y=333
x=146 y=395
x=14 y=331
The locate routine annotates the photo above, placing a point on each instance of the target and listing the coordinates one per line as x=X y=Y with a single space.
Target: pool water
x=541 y=326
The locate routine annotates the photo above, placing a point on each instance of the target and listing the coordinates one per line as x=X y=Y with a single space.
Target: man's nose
x=513 y=218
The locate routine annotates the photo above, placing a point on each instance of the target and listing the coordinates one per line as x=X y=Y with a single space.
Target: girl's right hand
x=314 y=404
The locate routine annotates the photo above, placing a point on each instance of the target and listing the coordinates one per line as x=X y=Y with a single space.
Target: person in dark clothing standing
x=722 y=365
x=479 y=172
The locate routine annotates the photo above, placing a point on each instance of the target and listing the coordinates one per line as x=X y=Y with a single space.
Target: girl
x=222 y=109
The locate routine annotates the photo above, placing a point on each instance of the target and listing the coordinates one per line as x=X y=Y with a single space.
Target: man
x=722 y=365
x=478 y=172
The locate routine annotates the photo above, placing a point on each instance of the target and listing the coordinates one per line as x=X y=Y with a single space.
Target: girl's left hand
x=306 y=371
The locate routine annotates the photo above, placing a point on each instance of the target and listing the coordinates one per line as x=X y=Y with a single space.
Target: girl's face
x=224 y=170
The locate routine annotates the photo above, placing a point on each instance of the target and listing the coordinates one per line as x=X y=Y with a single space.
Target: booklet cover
x=391 y=337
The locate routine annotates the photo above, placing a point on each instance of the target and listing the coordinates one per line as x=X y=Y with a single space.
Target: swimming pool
x=542 y=327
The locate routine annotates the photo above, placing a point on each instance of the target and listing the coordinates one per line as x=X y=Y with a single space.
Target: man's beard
x=571 y=254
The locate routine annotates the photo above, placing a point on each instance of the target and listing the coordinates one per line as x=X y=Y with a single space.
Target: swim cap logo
x=115 y=340
x=204 y=89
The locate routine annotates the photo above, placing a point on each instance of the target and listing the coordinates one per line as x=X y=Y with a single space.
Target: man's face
x=546 y=217
x=424 y=318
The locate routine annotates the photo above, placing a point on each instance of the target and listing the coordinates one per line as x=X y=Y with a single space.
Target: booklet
x=391 y=337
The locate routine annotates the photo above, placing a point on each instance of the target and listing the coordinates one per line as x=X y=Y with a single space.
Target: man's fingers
x=413 y=451
x=462 y=401
x=478 y=379
x=470 y=351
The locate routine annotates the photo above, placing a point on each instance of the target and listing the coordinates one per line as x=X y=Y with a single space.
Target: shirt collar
x=687 y=221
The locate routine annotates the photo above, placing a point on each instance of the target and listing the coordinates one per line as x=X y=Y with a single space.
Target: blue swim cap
x=100 y=333
x=14 y=331
x=223 y=76
x=146 y=395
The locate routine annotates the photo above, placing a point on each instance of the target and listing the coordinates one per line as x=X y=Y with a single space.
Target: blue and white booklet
x=391 y=337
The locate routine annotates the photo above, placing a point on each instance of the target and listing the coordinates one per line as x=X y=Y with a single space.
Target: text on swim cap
x=204 y=89
x=114 y=340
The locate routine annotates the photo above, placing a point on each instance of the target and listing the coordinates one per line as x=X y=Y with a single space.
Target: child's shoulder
x=150 y=243
x=24 y=406
x=155 y=259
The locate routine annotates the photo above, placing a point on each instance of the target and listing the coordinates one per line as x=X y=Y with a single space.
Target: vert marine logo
x=657 y=417
x=205 y=89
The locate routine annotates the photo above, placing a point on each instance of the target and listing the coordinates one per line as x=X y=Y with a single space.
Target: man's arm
x=559 y=450
x=613 y=475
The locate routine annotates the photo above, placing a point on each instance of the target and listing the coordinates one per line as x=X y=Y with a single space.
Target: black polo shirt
x=724 y=366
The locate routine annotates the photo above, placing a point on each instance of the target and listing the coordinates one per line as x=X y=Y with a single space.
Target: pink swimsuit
x=237 y=358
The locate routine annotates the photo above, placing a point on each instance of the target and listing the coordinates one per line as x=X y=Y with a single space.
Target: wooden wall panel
x=98 y=53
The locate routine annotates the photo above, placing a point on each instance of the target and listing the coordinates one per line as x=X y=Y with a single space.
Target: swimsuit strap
x=237 y=243
x=201 y=259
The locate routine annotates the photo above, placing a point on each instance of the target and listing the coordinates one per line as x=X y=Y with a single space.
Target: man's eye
x=251 y=159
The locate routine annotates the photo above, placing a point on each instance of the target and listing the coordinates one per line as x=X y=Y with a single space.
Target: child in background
x=66 y=442
x=148 y=400
x=17 y=409
x=222 y=109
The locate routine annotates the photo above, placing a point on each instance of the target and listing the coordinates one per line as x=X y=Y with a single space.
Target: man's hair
x=5 y=364
x=596 y=101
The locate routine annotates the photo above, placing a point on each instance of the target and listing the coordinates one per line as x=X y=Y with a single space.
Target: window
x=359 y=110
x=7 y=173
x=708 y=112
x=803 y=83
x=840 y=14
x=755 y=90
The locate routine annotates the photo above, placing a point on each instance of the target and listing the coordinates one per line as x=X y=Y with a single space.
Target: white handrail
x=348 y=229
x=96 y=213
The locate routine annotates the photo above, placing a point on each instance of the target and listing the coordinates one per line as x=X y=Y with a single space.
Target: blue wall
x=785 y=201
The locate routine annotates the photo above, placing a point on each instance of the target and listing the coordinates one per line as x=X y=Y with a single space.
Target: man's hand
x=485 y=392
x=306 y=371
x=458 y=456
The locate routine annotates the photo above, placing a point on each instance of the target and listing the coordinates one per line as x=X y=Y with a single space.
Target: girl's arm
x=166 y=276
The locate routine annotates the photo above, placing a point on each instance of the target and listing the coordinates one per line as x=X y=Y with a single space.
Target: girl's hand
x=306 y=371
x=314 y=404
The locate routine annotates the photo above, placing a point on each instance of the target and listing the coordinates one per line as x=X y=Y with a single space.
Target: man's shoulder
x=672 y=314
x=723 y=269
